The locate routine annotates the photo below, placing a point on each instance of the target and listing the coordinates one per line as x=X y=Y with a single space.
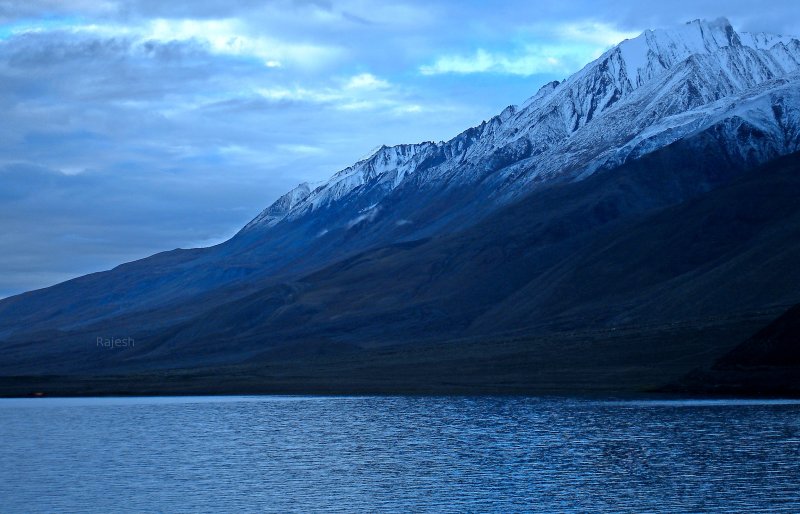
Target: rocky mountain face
x=654 y=122
x=639 y=96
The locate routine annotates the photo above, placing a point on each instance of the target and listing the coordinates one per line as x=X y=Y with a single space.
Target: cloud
x=229 y=37
x=366 y=216
x=365 y=81
x=299 y=94
x=556 y=49
x=530 y=60
x=302 y=149
x=592 y=32
x=13 y=10
x=362 y=92
x=226 y=37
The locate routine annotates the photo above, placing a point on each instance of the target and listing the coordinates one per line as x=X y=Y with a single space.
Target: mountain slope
x=777 y=345
x=768 y=363
x=594 y=254
x=546 y=177
x=353 y=327
x=569 y=258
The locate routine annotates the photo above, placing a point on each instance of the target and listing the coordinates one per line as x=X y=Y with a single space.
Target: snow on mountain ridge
x=636 y=62
x=763 y=40
x=655 y=51
x=388 y=160
x=565 y=125
x=283 y=205
x=759 y=107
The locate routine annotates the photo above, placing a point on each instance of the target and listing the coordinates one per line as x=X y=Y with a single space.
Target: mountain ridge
x=732 y=97
x=516 y=161
x=620 y=357
x=663 y=50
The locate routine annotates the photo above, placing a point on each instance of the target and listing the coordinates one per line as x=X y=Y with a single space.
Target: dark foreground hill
x=768 y=363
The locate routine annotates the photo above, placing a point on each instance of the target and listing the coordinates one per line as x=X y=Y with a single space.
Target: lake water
x=255 y=454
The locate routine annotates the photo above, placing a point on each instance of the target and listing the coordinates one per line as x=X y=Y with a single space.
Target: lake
x=421 y=454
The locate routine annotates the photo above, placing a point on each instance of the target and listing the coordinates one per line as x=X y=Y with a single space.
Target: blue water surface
x=420 y=454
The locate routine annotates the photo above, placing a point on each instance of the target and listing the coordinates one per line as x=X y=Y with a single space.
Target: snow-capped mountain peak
x=641 y=89
x=655 y=51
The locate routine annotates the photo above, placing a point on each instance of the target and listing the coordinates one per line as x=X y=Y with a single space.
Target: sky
x=132 y=127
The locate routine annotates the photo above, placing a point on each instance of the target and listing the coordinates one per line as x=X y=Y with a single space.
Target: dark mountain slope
x=768 y=363
x=383 y=321
x=778 y=345
x=733 y=250
x=577 y=267
x=584 y=255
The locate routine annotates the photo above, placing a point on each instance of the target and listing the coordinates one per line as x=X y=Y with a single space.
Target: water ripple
x=301 y=454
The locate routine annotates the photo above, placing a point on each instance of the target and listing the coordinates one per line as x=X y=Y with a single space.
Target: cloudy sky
x=131 y=127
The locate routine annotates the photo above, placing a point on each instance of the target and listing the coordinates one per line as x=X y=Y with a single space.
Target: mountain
x=537 y=221
x=776 y=345
x=768 y=363
x=714 y=268
x=641 y=95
